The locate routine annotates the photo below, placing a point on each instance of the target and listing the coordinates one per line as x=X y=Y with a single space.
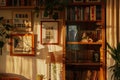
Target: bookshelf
x=17 y=3
x=85 y=57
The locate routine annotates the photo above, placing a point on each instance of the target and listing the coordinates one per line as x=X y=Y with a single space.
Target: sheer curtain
x=112 y=28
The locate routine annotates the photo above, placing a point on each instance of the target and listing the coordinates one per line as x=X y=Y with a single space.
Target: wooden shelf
x=83 y=21
x=78 y=66
x=17 y=7
x=86 y=43
x=85 y=3
x=81 y=54
x=85 y=64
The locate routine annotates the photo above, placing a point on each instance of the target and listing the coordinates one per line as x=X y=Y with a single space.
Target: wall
x=30 y=67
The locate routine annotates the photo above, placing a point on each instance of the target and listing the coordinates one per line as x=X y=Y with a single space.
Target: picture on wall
x=22 y=44
x=22 y=20
x=49 y=32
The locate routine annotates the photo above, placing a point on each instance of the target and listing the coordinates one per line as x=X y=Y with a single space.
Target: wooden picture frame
x=22 y=21
x=22 y=45
x=49 y=32
x=77 y=0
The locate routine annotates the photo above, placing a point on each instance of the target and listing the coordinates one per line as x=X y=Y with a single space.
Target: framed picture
x=22 y=20
x=49 y=32
x=77 y=0
x=22 y=45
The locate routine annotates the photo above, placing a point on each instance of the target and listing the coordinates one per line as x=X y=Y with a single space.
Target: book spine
x=33 y=3
x=86 y=13
x=92 y=12
x=82 y=13
x=98 y=13
x=22 y=3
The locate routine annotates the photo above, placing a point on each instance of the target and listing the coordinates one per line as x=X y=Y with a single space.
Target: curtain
x=112 y=28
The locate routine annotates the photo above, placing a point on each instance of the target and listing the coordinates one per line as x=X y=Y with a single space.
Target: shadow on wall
x=13 y=75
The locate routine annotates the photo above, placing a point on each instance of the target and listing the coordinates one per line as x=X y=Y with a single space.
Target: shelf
x=86 y=43
x=85 y=38
x=85 y=64
x=85 y=3
x=17 y=7
x=82 y=21
x=77 y=66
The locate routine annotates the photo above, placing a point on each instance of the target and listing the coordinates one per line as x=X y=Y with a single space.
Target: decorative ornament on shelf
x=4 y=33
x=50 y=7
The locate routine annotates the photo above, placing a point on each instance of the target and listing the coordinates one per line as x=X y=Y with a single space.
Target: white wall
x=27 y=66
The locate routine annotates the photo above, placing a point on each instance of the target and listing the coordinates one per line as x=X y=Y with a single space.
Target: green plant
x=50 y=6
x=4 y=32
x=115 y=54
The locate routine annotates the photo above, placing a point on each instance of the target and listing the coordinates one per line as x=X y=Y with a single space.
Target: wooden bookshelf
x=92 y=43
x=85 y=40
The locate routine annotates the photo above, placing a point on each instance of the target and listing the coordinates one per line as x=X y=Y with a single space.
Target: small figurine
x=84 y=37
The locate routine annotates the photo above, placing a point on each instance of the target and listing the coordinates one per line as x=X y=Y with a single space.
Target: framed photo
x=77 y=0
x=22 y=20
x=22 y=45
x=49 y=32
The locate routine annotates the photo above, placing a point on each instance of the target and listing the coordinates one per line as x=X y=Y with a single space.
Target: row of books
x=17 y=2
x=82 y=55
x=85 y=0
x=79 y=13
x=82 y=75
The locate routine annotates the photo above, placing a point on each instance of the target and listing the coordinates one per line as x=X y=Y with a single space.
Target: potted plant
x=115 y=54
x=4 y=33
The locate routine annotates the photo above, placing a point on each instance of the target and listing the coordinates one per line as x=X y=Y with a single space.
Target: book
x=77 y=16
x=94 y=75
x=98 y=13
x=92 y=12
x=87 y=13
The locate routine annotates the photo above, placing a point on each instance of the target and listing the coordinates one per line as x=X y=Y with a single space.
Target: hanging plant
x=50 y=6
x=4 y=32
